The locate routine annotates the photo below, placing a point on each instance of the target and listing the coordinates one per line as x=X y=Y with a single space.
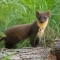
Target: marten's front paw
x=35 y=46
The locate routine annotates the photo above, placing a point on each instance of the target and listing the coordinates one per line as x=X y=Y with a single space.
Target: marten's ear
x=37 y=13
x=48 y=13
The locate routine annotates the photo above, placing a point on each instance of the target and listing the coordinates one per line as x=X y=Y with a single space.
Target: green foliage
x=7 y=57
x=2 y=34
x=14 y=12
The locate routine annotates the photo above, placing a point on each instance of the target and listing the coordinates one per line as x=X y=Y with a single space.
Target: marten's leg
x=11 y=40
x=9 y=45
x=34 y=41
x=37 y=41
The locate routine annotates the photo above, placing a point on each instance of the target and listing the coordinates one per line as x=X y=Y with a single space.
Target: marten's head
x=42 y=16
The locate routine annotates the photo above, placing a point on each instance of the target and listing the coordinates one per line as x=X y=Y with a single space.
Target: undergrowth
x=16 y=12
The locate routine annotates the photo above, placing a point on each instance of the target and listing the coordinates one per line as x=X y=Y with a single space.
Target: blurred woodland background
x=16 y=12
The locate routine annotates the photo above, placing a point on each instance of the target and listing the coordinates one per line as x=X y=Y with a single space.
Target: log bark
x=26 y=53
x=57 y=47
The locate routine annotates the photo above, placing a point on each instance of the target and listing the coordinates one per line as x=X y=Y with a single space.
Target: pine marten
x=33 y=31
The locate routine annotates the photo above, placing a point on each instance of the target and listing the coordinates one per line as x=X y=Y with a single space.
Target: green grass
x=14 y=12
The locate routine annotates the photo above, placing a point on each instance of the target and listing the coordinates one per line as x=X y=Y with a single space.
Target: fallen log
x=57 y=47
x=30 y=53
x=38 y=53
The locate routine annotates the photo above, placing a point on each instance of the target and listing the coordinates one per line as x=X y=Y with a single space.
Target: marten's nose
x=42 y=21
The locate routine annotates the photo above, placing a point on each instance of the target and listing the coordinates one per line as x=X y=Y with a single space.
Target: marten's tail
x=2 y=38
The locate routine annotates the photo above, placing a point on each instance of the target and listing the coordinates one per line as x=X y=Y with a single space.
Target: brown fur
x=33 y=31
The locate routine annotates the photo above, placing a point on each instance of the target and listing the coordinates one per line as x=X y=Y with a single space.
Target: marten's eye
x=44 y=17
x=39 y=17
